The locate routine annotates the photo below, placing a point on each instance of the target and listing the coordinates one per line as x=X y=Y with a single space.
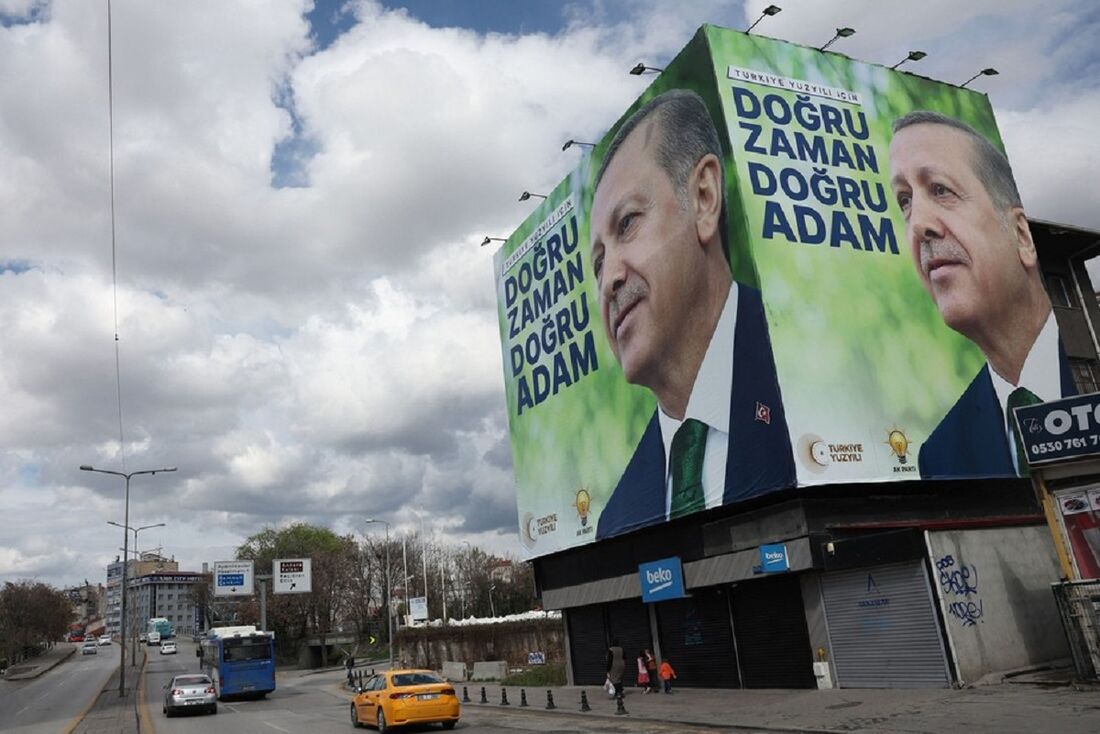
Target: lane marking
x=268 y=723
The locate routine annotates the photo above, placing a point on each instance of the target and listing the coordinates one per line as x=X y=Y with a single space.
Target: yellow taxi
x=399 y=697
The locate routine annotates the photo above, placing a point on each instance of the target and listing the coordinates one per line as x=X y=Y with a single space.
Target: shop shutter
x=773 y=643
x=628 y=621
x=696 y=637
x=587 y=645
x=883 y=628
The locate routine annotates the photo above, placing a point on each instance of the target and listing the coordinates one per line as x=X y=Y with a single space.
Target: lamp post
x=641 y=68
x=912 y=56
x=492 y=609
x=487 y=240
x=133 y=639
x=125 y=545
x=389 y=590
x=840 y=33
x=984 y=72
x=770 y=10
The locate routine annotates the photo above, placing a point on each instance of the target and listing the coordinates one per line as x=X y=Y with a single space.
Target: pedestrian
x=616 y=666
x=643 y=673
x=651 y=669
x=667 y=674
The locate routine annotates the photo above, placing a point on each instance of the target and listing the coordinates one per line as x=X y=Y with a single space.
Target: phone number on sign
x=1053 y=447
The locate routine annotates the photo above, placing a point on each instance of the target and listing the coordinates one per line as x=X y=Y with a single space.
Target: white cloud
x=310 y=352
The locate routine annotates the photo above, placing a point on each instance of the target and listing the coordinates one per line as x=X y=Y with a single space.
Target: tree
x=296 y=617
x=31 y=614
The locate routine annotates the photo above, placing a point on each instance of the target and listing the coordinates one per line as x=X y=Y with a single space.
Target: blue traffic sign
x=230 y=579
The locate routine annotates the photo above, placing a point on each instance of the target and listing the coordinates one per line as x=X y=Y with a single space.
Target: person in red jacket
x=667 y=674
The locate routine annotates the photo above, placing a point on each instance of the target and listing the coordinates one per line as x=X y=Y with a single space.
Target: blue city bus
x=240 y=661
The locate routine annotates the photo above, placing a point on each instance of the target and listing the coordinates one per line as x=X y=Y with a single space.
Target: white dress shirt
x=1042 y=375
x=710 y=404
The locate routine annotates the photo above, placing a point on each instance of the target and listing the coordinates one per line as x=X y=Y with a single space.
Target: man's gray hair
x=990 y=165
x=684 y=133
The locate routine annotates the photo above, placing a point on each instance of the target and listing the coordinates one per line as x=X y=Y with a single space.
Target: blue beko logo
x=663 y=579
x=773 y=558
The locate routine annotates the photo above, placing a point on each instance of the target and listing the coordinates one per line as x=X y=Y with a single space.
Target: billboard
x=780 y=268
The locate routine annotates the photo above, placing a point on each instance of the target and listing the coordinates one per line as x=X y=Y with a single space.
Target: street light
x=913 y=56
x=492 y=609
x=487 y=240
x=133 y=640
x=984 y=72
x=125 y=545
x=840 y=33
x=389 y=590
x=770 y=10
x=527 y=195
x=640 y=68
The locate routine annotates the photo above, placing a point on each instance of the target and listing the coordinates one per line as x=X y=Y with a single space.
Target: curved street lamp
x=125 y=554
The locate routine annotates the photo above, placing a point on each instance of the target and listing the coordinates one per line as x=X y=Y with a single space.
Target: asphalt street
x=51 y=702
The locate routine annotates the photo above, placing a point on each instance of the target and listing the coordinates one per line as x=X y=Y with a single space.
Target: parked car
x=399 y=697
x=168 y=648
x=89 y=647
x=191 y=692
x=104 y=639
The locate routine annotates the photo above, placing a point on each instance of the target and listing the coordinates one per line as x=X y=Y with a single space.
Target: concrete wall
x=429 y=647
x=993 y=586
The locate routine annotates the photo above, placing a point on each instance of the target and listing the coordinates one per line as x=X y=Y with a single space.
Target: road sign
x=418 y=608
x=292 y=575
x=233 y=578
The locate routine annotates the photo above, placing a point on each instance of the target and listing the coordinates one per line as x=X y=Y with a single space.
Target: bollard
x=465 y=695
x=619 y=708
x=504 y=697
x=522 y=697
x=483 y=698
x=584 y=702
x=550 y=699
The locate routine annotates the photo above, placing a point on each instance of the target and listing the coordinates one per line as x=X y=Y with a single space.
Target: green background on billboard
x=859 y=345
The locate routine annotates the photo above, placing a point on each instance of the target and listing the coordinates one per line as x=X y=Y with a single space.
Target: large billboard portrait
x=780 y=267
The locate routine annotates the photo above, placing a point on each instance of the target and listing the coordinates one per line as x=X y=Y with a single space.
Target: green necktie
x=1020 y=397
x=689 y=446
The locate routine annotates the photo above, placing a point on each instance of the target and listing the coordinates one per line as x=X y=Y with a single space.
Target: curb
x=144 y=720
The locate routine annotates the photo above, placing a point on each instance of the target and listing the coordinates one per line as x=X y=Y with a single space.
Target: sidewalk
x=37 y=666
x=111 y=713
x=1000 y=708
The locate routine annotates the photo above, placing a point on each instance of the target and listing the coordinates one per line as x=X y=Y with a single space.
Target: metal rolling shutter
x=883 y=628
x=628 y=620
x=587 y=645
x=772 y=640
x=697 y=639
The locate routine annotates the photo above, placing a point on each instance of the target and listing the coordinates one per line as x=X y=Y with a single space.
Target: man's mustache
x=626 y=296
x=940 y=250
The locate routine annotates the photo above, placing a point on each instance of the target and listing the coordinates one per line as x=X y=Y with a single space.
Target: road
x=49 y=703
x=315 y=704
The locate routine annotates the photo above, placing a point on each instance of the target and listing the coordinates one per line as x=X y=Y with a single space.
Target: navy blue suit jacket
x=971 y=441
x=759 y=458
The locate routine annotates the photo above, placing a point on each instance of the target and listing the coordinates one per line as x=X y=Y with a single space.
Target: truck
x=157 y=629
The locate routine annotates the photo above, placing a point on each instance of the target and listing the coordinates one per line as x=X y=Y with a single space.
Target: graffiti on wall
x=959 y=583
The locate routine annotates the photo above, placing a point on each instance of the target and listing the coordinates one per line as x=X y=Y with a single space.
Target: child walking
x=667 y=674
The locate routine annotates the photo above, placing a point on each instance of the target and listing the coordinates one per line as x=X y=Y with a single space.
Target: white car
x=104 y=639
x=89 y=648
x=168 y=648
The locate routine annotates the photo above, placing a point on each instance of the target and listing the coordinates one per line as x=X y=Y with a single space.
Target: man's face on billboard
x=646 y=258
x=966 y=250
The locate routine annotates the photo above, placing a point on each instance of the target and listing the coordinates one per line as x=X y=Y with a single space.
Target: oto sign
x=1060 y=429
x=233 y=578
x=292 y=575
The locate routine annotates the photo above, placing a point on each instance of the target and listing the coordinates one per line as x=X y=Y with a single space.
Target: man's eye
x=597 y=265
x=904 y=200
x=625 y=222
x=939 y=189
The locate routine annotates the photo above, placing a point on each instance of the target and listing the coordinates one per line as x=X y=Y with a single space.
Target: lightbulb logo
x=583 y=502
x=899 y=444
x=528 y=530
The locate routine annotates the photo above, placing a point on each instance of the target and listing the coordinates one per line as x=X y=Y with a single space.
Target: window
x=1061 y=291
x=1084 y=375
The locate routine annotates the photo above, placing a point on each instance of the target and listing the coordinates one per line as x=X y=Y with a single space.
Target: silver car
x=192 y=692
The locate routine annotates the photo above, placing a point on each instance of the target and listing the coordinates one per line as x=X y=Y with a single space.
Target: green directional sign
x=372 y=639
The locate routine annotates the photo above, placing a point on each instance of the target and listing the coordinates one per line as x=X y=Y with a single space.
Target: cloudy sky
x=306 y=321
